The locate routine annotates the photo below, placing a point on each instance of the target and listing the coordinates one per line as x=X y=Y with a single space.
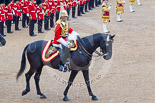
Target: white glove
x=27 y=15
x=63 y=42
x=73 y=36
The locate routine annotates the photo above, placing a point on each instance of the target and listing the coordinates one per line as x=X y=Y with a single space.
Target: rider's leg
x=63 y=57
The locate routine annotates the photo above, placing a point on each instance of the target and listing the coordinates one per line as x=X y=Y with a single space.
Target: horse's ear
x=112 y=37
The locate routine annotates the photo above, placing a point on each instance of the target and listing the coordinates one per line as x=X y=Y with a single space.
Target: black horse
x=2 y=41
x=80 y=60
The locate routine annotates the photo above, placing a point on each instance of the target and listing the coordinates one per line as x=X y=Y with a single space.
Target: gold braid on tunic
x=64 y=28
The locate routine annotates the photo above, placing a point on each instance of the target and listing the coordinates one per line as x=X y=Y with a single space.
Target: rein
x=98 y=53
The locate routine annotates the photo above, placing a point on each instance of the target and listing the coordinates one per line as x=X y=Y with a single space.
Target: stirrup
x=62 y=68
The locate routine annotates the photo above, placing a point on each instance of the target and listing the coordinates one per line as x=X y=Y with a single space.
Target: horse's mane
x=94 y=36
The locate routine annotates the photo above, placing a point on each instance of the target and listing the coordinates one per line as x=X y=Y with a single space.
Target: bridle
x=99 y=54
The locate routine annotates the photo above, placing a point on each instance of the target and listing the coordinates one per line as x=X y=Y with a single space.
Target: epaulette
x=30 y=3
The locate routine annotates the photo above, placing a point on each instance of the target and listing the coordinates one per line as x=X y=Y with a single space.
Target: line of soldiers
x=32 y=11
x=119 y=11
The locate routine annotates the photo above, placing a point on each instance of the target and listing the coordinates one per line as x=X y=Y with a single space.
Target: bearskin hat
x=39 y=2
x=7 y=2
x=1 y=1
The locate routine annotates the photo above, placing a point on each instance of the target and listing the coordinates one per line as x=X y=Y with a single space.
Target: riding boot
x=64 y=56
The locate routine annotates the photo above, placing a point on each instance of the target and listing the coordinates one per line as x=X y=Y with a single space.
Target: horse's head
x=2 y=41
x=106 y=46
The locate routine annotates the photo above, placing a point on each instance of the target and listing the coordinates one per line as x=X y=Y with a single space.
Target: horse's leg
x=28 y=76
x=71 y=79
x=37 y=78
x=86 y=77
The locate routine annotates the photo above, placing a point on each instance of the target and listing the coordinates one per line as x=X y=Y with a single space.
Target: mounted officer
x=63 y=33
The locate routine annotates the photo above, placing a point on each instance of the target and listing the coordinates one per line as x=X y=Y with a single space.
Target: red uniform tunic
x=12 y=4
x=24 y=7
x=81 y=2
x=69 y=3
x=16 y=9
x=2 y=14
x=40 y=13
x=46 y=9
x=57 y=5
x=8 y=13
x=84 y=1
x=32 y=12
x=58 y=30
x=51 y=5
x=35 y=3
x=74 y=2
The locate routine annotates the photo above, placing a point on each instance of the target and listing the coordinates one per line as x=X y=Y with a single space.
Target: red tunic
x=8 y=13
x=69 y=3
x=46 y=8
x=40 y=13
x=51 y=5
x=57 y=5
x=58 y=33
x=74 y=2
x=2 y=14
x=24 y=7
x=32 y=12
x=16 y=9
x=81 y=2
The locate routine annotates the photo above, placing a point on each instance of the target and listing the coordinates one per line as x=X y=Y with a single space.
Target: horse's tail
x=23 y=63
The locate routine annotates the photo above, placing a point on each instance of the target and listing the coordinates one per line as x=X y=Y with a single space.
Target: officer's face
x=64 y=18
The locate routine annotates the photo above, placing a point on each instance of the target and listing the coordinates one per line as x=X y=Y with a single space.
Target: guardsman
x=74 y=8
x=40 y=15
x=119 y=9
x=12 y=6
x=24 y=7
x=52 y=12
x=46 y=9
x=9 y=15
x=2 y=18
x=86 y=5
x=105 y=15
x=62 y=31
x=58 y=7
x=17 y=11
x=138 y=3
x=132 y=2
x=69 y=6
x=32 y=17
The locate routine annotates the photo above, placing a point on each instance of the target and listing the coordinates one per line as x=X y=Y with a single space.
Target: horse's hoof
x=94 y=98
x=43 y=96
x=65 y=98
x=25 y=92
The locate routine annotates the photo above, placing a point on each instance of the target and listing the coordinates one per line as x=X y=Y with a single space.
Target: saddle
x=50 y=52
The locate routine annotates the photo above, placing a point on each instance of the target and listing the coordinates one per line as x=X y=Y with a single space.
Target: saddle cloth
x=50 y=52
